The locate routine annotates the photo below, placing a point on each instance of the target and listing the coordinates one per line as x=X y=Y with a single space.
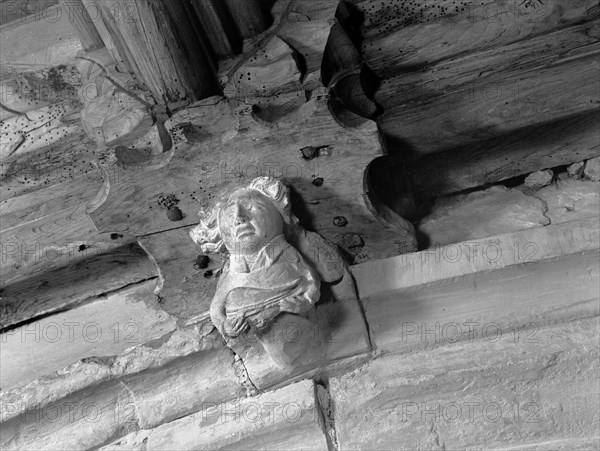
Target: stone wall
x=482 y=350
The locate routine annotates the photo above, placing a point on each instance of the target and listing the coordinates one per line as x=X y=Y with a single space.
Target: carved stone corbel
x=267 y=286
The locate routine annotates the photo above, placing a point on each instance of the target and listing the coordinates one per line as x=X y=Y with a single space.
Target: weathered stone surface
x=106 y=327
x=481 y=214
x=592 y=169
x=537 y=180
x=95 y=370
x=575 y=170
x=528 y=389
x=83 y=420
x=571 y=199
x=121 y=403
x=340 y=327
x=450 y=293
x=184 y=387
x=283 y=419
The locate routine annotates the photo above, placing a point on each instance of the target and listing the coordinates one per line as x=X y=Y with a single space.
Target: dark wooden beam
x=163 y=46
x=251 y=17
x=83 y=24
x=219 y=26
x=548 y=145
x=491 y=93
x=65 y=287
x=401 y=37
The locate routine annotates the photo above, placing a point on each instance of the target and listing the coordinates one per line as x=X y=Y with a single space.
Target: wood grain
x=198 y=173
x=219 y=26
x=38 y=41
x=518 y=152
x=558 y=47
x=61 y=238
x=401 y=36
x=82 y=24
x=162 y=47
x=272 y=70
x=506 y=99
x=67 y=286
x=29 y=207
x=251 y=17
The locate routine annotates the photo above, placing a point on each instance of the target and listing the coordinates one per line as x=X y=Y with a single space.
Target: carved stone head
x=245 y=219
x=248 y=221
x=267 y=285
x=273 y=277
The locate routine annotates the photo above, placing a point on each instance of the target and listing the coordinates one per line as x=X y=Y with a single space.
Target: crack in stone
x=530 y=193
x=440 y=446
x=135 y=403
x=241 y=372
x=326 y=414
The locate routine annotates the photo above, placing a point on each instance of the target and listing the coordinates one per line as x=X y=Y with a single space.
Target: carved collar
x=265 y=257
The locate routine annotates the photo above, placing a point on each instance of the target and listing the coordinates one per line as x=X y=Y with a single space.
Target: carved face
x=248 y=221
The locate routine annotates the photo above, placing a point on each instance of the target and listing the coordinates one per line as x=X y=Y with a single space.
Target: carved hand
x=266 y=317
x=235 y=327
x=218 y=317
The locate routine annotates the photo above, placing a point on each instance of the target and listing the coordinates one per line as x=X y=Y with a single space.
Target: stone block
x=448 y=294
x=104 y=328
x=592 y=169
x=481 y=214
x=83 y=420
x=533 y=389
x=93 y=371
x=537 y=180
x=183 y=387
x=287 y=418
x=338 y=332
x=571 y=200
x=575 y=170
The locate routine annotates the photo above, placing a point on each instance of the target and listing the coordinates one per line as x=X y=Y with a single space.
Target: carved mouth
x=244 y=230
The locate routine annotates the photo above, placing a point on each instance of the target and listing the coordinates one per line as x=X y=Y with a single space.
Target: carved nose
x=240 y=216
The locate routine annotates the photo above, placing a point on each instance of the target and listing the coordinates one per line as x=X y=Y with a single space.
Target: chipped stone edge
x=92 y=371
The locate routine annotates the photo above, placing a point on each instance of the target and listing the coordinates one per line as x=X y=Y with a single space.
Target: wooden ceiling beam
x=163 y=46
x=219 y=26
x=491 y=93
x=251 y=17
x=83 y=24
x=404 y=37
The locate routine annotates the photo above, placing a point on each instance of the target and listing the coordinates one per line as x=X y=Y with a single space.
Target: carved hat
x=208 y=235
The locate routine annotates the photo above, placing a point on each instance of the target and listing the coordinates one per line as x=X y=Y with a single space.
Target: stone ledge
x=96 y=370
x=455 y=260
x=158 y=382
x=338 y=337
x=490 y=212
x=153 y=383
x=82 y=420
x=520 y=391
x=106 y=327
x=287 y=419
x=474 y=289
